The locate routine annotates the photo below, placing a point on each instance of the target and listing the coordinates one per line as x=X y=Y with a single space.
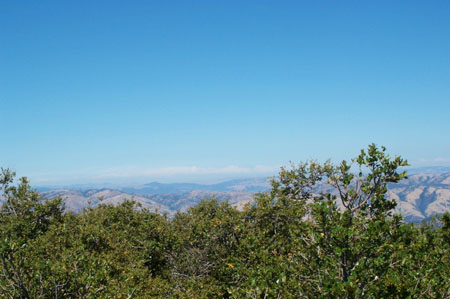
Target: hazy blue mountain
x=253 y=185
x=428 y=170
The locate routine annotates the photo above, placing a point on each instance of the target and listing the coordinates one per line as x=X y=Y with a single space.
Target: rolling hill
x=419 y=197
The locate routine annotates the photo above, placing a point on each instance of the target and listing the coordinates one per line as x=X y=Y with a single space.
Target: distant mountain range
x=166 y=198
x=419 y=197
x=426 y=192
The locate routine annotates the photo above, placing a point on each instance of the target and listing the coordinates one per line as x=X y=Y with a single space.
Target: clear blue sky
x=203 y=90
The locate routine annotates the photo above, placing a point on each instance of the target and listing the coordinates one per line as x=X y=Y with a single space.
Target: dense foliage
x=295 y=241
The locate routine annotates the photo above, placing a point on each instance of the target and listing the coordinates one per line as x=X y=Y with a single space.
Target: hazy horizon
x=95 y=182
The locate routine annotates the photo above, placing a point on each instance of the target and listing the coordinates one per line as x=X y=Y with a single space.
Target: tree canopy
x=323 y=230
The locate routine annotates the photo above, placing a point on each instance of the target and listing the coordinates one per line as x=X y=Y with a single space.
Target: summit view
x=237 y=149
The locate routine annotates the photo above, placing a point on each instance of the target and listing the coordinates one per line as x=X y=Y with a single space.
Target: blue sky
x=128 y=91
